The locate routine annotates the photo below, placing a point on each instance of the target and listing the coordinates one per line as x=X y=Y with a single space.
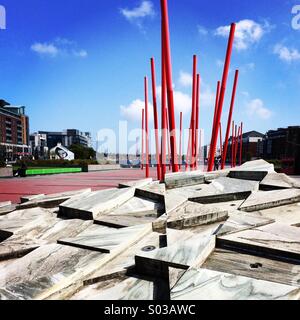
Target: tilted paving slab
x=182 y=255
x=253 y=170
x=6 y=207
x=276 y=240
x=44 y=230
x=278 y=181
x=243 y=221
x=226 y=189
x=154 y=191
x=136 y=184
x=270 y=199
x=90 y=205
x=52 y=200
x=203 y=284
x=289 y=214
x=251 y=266
x=181 y=179
x=118 y=288
x=192 y=214
x=102 y=239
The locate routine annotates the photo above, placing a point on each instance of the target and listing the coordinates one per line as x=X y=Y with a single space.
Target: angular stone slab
x=193 y=214
x=136 y=184
x=210 y=176
x=226 y=189
x=125 y=261
x=52 y=200
x=119 y=288
x=253 y=267
x=6 y=207
x=253 y=170
x=91 y=205
x=173 y=200
x=44 y=230
x=102 y=239
x=178 y=180
x=278 y=181
x=153 y=191
x=32 y=197
x=193 y=251
x=238 y=222
x=289 y=214
x=202 y=284
x=270 y=199
x=276 y=241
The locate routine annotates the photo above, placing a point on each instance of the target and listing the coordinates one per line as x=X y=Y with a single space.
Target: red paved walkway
x=13 y=189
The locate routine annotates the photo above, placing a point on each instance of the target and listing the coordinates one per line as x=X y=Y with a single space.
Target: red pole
x=215 y=115
x=194 y=111
x=143 y=131
x=155 y=119
x=168 y=64
x=197 y=119
x=241 y=145
x=168 y=139
x=221 y=140
x=147 y=128
x=180 y=142
x=235 y=144
x=232 y=145
x=163 y=109
x=230 y=118
x=222 y=94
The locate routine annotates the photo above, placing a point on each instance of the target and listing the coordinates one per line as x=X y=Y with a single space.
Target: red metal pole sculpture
x=222 y=95
x=155 y=119
x=221 y=140
x=163 y=109
x=241 y=145
x=143 y=131
x=168 y=67
x=147 y=128
x=194 y=111
x=230 y=118
x=232 y=145
x=180 y=142
x=215 y=115
x=197 y=119
x=235 y=144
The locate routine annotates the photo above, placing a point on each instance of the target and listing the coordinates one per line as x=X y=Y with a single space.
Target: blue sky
x=80 y=64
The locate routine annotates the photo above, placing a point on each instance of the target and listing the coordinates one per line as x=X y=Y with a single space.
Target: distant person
x=217 y=163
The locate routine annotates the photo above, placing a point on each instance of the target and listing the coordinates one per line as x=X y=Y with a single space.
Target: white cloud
x=59 y=47
x=45 y=49
x=287 y=54
x=133 y=112
x=202 y=30
x=247 y=32
x=256 y=108
x=137 y=14
x=185 y=79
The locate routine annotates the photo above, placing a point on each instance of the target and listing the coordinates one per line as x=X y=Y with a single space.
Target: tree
x=82 y=153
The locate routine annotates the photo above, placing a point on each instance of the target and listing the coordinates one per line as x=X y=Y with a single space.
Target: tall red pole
x=241 y=145
x=197 y=119
x=180 y=142
x=170 y=94
x=194 y=111
x=222 y=94
x=143 y=131
x=221 y=140
x=232 y=145
x=155 y=119
x=215 y=116
x=168 y=140
x=147 y=128
x=236 y=77
x=163 y=108
x=235 y=144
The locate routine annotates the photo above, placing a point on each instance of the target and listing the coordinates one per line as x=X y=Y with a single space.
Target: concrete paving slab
x=270 y=199
x=278 y=181
x=177 y=180
x=203 y=284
